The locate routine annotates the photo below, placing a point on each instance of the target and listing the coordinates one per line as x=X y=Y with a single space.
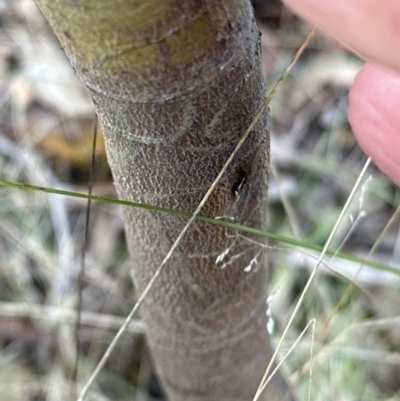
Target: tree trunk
x=175 y=85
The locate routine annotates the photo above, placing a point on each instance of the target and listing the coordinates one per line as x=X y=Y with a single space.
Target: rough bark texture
x=175 y=85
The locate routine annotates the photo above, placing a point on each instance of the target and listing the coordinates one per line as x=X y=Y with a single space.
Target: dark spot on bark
x=242 y=172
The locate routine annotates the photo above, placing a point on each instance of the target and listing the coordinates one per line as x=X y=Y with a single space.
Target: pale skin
x=372 y=29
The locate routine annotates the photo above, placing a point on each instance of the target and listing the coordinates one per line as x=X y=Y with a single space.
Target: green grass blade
x=187 y=215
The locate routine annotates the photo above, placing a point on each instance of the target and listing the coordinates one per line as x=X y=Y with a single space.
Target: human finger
x=374 y=114
x=369 y=27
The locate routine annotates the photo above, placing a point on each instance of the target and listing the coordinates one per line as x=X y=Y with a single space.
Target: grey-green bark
x=175 y=85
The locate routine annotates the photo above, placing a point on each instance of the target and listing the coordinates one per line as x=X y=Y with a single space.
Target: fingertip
x=369 y=27
x=374 y=115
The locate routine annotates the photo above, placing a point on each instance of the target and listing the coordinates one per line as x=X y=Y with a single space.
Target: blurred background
x=46 y=134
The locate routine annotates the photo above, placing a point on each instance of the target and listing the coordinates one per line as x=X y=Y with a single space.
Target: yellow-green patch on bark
x=94 y=31
x=190 y=43
x=131 y=35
